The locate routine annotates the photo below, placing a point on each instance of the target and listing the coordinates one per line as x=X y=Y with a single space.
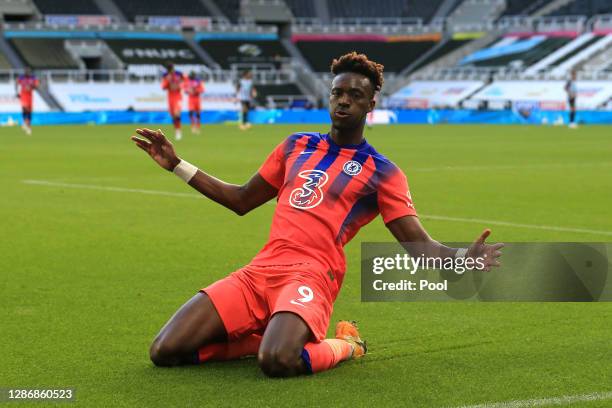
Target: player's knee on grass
x=167 y=352
x=281 y=361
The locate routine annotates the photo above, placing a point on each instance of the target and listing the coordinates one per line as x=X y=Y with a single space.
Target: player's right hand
x=158 y=147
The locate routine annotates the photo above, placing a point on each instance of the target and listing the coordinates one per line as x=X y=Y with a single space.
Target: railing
x=600 y=22
x=154 y=74
x=560 y=23
x=378 y=22
x=217 y=25
x=286 y=101
x=502 y=73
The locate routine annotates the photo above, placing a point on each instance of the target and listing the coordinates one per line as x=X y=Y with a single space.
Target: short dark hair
x=359 y=63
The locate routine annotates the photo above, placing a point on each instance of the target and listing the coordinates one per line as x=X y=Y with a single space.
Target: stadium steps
x=302 y=8
x=4 y=63
x=528 y=57
x=44 y=53
x=308 y=82
x=212 y=8
x=322 y=9
x=11 y=56
x=199 y=50
x=576 y=51
x=601 y=62
x=575 y=44
x=445 y=46
x=474 y=12
x=452 y=58
x=109 y=7
x=428 y=56
x=598 y=46
x=548 y=8
x=446 y=8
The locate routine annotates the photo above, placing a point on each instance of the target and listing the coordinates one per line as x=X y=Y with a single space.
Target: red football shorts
x=26 y=102
x=194 y=104
x=174 y=105
x=247 y=299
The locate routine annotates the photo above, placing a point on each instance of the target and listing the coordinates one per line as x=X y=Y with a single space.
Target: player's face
x=350 y=100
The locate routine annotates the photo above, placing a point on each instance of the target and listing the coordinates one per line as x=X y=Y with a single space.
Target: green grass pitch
x=90 y=275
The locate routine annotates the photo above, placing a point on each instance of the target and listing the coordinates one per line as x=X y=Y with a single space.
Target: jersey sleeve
x=273 y=169
x=394 y=200
x=164 y=83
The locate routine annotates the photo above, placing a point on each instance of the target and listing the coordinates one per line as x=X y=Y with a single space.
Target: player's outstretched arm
x=239 y=198
x=410 y=230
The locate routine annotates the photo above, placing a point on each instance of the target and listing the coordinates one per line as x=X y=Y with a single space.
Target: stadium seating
x=364 y=8
x=272 y=90
x=67 y=7
x=446 y=48
x=421 y=9
x=44 y=53
x=133 y=8
x=302 y=8
x=585 y=8
x=525 y=57
x=395 y=56
x=231 y=9
x=576 y=50
x=516 y=7
x=256 y=52
x=4 y=64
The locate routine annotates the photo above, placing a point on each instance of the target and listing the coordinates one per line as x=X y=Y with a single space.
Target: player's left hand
x=158 y=147
x=490 y=253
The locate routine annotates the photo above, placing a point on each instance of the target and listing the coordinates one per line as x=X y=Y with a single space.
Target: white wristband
x=461 y=252
x=185 y=171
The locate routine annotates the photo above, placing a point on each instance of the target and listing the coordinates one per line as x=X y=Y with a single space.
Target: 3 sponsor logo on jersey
x=310 y=194
x=352 y=168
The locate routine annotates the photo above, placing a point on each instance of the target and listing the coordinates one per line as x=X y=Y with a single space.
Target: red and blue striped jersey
x=326 y=193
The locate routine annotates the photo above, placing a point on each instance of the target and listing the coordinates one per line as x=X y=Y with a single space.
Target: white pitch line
x=508 y=167
x=516 y=225
x=563 y=400
x=432 y=217
x=109 y=188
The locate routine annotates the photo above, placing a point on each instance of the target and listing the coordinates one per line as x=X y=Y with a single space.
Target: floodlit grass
x=89 y=276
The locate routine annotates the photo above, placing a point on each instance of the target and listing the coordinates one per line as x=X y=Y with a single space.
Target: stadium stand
x=395 y=55
x=242 y=53
x=302 y=8
x=279 y=95
x=231 y=9
x=421 y=9
x=517 y=53
x=584 y=7
x=363 y=8
x=475 y=12
x=133 y=8
x=516 y=7
x=446 y=48
x=44 y=53
x=67 y=7
x=4 y=63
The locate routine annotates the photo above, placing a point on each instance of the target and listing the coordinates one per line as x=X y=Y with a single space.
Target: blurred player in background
x=327 y=186
x=246 y=92
x=24 y=87
x=172 y=81
x=572 y=91
x=194 y=87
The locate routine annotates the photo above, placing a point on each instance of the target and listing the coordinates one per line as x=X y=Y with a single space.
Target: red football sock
x=326 y=354
x=177 y=123
x=246 y=346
